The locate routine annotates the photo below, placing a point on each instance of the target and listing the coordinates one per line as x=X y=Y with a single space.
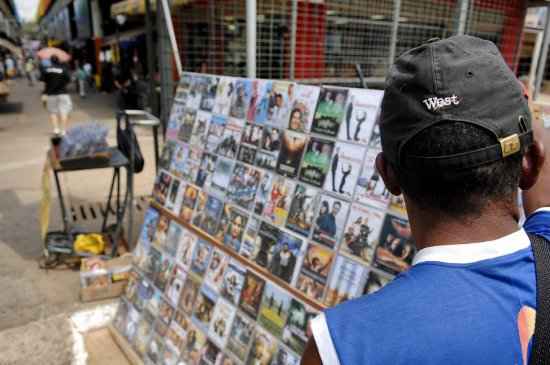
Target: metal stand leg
x=108 y=207
x=156 y=143
x=62 y=203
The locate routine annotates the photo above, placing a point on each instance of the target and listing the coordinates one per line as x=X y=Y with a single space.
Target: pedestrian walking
x=81 y=78
x=58 y=102
x=30 y=70
x=10 y=67
x=457 y=142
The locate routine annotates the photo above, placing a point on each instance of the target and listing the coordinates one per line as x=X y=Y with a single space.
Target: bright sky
x=27 y=9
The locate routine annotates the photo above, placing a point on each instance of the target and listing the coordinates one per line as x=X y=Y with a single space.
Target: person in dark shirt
x=127 y=91
x=58 y=102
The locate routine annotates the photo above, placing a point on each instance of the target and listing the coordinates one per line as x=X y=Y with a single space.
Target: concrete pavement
x=34 y=303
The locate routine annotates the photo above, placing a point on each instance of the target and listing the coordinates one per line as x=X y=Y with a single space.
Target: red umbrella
x=48 y=52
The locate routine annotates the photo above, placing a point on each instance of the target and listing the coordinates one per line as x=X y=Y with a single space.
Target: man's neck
x=436 y=230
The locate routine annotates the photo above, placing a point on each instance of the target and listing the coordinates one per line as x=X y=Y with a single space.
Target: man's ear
x=531 y=165
x=385 y=170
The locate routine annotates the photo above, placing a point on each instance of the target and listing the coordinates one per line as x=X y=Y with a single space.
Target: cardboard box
x=104 y=279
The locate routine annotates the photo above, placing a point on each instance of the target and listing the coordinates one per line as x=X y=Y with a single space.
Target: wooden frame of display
x=249 y=264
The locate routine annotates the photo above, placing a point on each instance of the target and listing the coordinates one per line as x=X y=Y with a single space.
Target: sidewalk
x=31 y=299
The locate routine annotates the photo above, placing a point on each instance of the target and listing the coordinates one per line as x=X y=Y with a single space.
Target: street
x=34 y=303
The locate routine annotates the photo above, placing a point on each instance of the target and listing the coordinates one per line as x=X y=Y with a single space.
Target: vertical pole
x=172 y=35
x=535 y=60
x=541 y=67
x=462 y=17
x=151 y=52
x=166 y=72
x=293 y=29
x=394 y=29
x=251 y=38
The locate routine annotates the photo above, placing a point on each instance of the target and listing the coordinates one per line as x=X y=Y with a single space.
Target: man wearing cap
x=457 y=142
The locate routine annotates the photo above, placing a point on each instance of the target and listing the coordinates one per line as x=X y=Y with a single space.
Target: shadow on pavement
x=11 y=108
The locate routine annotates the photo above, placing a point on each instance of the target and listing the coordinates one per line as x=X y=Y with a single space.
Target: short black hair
x=458 y=193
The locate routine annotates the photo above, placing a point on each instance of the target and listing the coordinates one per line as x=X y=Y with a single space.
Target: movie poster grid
x=240 y=166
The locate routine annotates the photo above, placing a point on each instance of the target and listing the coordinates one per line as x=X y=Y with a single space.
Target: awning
x=16 y=51
x=137 y=7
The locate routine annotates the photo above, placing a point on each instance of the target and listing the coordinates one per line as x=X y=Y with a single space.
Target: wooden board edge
x=126 y=348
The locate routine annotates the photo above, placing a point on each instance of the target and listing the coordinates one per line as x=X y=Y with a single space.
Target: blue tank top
x=458 y=304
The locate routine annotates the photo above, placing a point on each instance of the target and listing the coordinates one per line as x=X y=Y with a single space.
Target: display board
x=267 y=209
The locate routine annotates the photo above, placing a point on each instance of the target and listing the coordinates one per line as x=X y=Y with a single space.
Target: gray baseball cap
x=462 y=79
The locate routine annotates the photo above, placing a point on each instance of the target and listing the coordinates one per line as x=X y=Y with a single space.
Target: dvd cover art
x=173 y=236
x=194 y=341
x=375 y=141
x=210 y=353
x=121 y=316
x=241 y=99
x=152 y=264
x=189 y=294
x=267 y=238
x=233 y=281
x=251 y=294
x=240 y=336
x=346 y=281
x=175 y=284
x=146 y=236
x=143 y=332
x=200 y=129
x=232 y=227
x=370 y=188
x=167 y=154
x=302 y=209
x=180 y=155
x=206 y=168
x=375 y=282
x=361 y=114
x=160 y=234
x=330 y=111
x=396 y=249
x=252 y=135
x=303 y=108
x=285 y=357
x=243 y=185
x=259 y=111
x=330 y=220
x=173 y=200
x=201 y=257
x=163 y=273
x=316 y=162
x=166 y=311
x=174 y=120
x=255 y=99
x=247 y=154
x=284 y=256
x=183 y=88
x=199 y=215
x=397 y=205
x=229 y=143
x=221 y=177
x=362 y=232
x=155 y=348
x=281 y=103
x=263 y=348
x=194 y=95
x=169 y=355
x=186 y=127
x=190 y=170
x=207 y=220
x=251 y=242
x=278 y=205
x=208 y=89
x=204 y=308
x=263 y=192
x=145 y=292
x=186 y=247
x=222 y=319
x=189 y=198
x=216 y=269
x=161 y=187
x=292 y=149
x=224 y=94
x=310 y=286
x=131 y=290
x=297 y=331
x=178 y=328
x=344 y=169
x=317 y=262
x=152 y=306
x=274 y=309
x=215 y=132
x=265 y=160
